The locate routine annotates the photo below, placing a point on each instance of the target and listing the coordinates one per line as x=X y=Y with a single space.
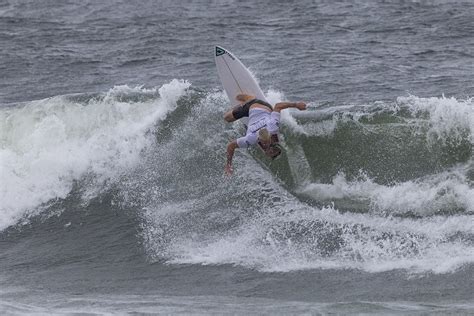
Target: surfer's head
x=269 y=143
x=242 y=97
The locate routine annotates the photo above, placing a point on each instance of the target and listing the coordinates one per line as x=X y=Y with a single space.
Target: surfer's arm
x=230 y=154
x=285 y=105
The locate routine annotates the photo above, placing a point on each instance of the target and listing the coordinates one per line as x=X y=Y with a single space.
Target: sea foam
x=48 y=144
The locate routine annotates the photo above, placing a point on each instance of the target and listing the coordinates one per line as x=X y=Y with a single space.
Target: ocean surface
x=112 y=149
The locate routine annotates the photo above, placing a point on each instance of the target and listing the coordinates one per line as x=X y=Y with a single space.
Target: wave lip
x=449 y=118
x=49 y=144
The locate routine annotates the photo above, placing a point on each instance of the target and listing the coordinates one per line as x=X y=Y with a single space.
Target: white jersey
x=259 y=118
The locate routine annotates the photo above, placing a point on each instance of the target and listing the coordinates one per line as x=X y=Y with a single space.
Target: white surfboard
x=235 y=77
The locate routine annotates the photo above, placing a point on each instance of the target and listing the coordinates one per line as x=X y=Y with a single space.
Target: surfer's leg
x=229 y=117
x=242 y=97
x=236 y=113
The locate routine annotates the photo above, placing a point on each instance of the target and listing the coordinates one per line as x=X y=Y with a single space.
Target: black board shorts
x=241 y=111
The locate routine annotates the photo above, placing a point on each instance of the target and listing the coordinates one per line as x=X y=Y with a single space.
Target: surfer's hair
x=271 y=148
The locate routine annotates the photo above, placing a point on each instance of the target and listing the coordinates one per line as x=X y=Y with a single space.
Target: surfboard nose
x=220 y=51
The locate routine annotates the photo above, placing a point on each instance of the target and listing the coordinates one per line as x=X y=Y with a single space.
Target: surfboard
x=235 y=77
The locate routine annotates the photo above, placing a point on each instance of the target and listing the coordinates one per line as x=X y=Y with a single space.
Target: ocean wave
x=373 y=187
x=49 y=144
x=259 y=220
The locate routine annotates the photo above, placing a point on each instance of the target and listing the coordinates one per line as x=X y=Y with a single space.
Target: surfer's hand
x=300 y=106
x=228 y=170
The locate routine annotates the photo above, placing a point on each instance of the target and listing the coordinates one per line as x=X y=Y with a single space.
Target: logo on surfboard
x=219 y=51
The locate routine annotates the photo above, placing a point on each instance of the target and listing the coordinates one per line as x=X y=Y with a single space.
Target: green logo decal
x=219 y=51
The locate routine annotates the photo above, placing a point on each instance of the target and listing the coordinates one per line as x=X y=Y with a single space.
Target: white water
x=448 y=117
x=48 y=144
x=289 y=235
x=447 y=191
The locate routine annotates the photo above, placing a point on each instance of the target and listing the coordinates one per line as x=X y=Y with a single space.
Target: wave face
x=376 y=187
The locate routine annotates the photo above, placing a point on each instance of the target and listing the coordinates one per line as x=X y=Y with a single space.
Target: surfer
x=263 y=125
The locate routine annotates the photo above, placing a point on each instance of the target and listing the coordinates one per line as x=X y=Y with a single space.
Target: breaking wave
x=376 y=187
